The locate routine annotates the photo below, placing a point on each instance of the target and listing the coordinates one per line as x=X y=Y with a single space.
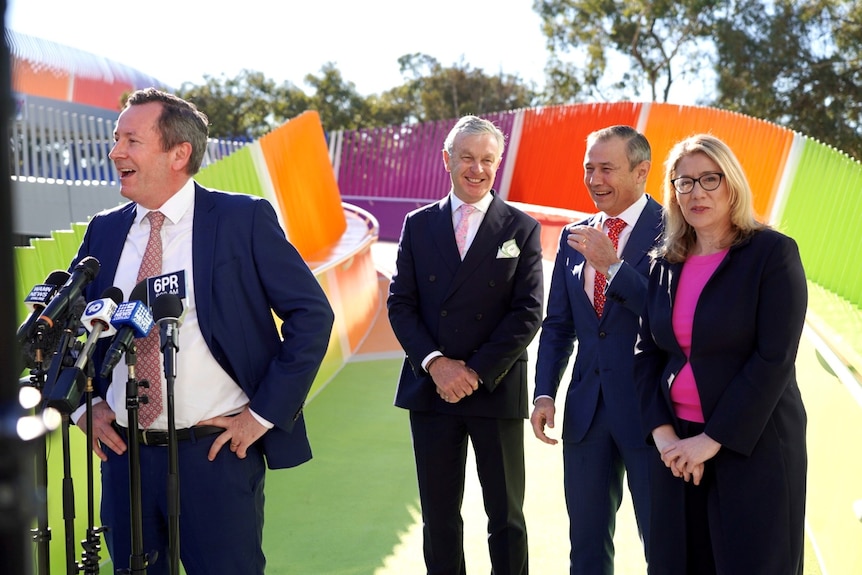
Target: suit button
x=492 y=283
x=602 y=335
x=432 y=278
x=596 y=371
x=444 y=313
x=478 y=316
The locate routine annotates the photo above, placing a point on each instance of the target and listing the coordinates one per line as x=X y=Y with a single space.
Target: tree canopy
x=797 y=63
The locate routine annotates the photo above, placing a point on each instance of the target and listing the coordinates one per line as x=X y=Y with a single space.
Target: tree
x=340 y=106
x=616 y=49
x=244 y=107
x=433 y=92
x=796 y=63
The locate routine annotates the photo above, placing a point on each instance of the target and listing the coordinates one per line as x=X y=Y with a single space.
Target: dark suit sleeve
x=297 y=299
x=557 y=340
x=650 y=363
x=403 y=303
x=629 y=288
x=749 y=400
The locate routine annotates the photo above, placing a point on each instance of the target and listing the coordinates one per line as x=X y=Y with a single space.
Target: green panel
x=235 y=173
x=28 y=272
x=67 y=244
x=822 y=204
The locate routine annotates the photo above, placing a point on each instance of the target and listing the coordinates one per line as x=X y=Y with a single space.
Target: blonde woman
x=715 y=374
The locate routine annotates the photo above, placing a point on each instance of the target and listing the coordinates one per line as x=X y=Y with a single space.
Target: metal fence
x=58 y=142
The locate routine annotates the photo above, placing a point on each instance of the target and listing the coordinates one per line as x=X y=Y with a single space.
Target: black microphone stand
x=68 y=499
x=169 y=351
x=38 y=379
x=92 y=543
x=42 y=532
x=138 y=560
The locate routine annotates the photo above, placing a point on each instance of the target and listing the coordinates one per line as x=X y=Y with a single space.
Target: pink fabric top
x=696 y=271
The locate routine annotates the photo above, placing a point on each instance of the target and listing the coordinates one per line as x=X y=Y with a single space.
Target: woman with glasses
x=715 y=373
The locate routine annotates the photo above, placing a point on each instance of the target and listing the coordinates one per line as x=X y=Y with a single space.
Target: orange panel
x=549 y=165
x=761 y=147
x=40 y=80
x=358 y=286
x=99 y=93
x=298 y=162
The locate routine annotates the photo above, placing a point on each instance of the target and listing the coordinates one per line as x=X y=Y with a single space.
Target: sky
x=180 y=41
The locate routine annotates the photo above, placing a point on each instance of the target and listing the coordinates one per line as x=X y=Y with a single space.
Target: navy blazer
x=484 y=310
x=747 y=325
x=244 y=271
x=605 y=346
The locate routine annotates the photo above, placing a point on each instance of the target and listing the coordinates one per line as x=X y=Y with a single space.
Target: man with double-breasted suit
x=598 y=288
x=465 y=302
x=240 y=388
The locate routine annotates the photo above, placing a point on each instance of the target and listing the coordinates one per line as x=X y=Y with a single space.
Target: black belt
x=158 y=437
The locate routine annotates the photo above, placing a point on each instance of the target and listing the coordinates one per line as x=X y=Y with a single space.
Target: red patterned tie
x=148 y=348
x=615 y=228
x=463 y=226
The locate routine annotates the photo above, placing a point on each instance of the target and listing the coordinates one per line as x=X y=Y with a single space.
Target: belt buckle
x=144 y=434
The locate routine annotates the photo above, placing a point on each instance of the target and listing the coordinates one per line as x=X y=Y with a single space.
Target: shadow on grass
x=345 y=510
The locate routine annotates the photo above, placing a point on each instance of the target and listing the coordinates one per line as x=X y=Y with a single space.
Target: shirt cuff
x=79 y=413
x=428 y=359
x=538 y=397
x=267 y=424
x=612 y=271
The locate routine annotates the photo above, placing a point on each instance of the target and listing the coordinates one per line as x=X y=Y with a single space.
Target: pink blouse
x=696 y=271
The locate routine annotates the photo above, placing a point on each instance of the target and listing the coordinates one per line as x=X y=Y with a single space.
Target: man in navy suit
x=238 y=384
x=596 y=296
x=465 y=302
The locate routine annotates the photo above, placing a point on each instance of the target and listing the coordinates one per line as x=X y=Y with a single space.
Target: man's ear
x=182 y=154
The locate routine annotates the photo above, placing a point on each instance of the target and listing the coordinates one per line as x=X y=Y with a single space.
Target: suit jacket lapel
x=443 y=233
x=203 y=254
x=487 y=239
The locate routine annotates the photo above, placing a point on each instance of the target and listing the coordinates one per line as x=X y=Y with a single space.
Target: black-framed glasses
x=708 y=182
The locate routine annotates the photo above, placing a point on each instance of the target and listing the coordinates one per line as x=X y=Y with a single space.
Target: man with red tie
x=598 y=289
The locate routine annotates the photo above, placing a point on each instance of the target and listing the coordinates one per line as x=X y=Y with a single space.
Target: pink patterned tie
x=615 y=228
x=463 y=226
x=148 y=348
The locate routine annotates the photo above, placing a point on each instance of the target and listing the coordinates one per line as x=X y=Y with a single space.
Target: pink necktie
x=615 y=228
x=463 y=227
x=148 y=348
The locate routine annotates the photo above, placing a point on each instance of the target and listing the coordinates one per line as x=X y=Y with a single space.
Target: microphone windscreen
x=167 y=306
x=139 y=293
x=114 y=293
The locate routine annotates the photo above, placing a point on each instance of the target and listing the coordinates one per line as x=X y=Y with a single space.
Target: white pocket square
x=509 y=249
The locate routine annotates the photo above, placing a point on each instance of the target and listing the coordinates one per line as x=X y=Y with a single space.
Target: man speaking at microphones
x=240 y=387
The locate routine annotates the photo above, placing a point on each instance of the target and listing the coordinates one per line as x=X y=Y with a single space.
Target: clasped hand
x=453 y=379
x=685 y=457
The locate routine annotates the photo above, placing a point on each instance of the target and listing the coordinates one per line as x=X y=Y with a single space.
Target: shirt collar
x=176 y=206
x=631 y=214
x=481 y=205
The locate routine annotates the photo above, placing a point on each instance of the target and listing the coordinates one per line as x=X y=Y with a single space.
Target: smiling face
x=709 y=213
x=148 y=174
x=472 y=166
x=612 y=184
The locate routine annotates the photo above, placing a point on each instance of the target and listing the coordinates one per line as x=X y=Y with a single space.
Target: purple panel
x=402 y=162
x=389 y=214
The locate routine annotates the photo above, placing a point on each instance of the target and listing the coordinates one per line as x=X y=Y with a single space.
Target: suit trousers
x=440 y=448
x=221 y=509
x=593 y=471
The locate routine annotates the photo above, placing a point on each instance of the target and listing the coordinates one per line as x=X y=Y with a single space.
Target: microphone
x=167 y=310
x=85 y=272
x=132 y=319
x=38 y=298
x=66 y=393
x=97 y=320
